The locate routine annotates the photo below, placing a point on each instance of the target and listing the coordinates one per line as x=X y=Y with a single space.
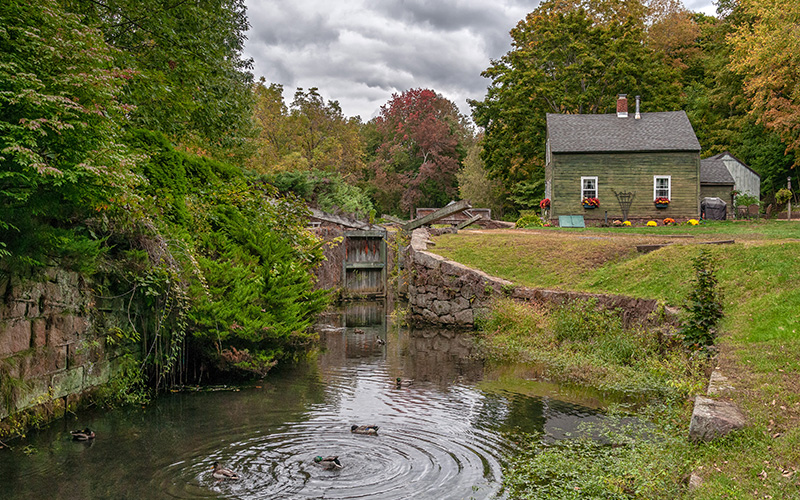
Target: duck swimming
x=364 y=429
x=330 y=463
x=358 y=330
x=219 y=472
x=82 y=435
x=399 y=382
x=379 y=340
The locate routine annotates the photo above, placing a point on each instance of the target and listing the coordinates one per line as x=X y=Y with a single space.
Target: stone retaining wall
x=48 y=348
x=443 y=292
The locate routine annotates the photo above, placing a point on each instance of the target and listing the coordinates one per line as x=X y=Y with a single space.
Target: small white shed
x=745 y=180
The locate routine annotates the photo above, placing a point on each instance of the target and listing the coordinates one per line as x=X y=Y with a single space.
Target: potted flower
x=544 y=204
x=590 y=203
x=661 y=202
x=669 y=221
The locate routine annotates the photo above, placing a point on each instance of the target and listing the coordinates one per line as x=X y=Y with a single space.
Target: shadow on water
x=443 y=431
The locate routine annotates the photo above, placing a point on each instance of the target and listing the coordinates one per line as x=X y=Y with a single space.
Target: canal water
x=444 y=432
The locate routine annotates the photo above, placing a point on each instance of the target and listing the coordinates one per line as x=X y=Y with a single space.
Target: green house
x=625 y=161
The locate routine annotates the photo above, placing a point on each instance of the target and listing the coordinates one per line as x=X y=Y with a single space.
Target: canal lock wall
x=446 y=293
x=52 y=351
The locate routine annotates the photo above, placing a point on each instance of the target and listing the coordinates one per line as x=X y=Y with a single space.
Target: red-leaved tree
x=420 y=139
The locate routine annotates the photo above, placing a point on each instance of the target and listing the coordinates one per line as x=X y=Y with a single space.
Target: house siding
x=625 y=172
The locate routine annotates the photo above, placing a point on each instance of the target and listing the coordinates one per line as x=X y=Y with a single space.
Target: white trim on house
x=584 y=189
x=658 y=191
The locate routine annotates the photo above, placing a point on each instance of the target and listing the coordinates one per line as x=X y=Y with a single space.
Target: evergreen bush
x=703 y=305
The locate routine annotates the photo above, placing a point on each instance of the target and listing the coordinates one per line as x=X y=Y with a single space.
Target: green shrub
x=703 y=305
x=529 y=221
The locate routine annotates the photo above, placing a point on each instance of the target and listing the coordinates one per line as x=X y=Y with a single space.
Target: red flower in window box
x=661 y=202
x=590 y=203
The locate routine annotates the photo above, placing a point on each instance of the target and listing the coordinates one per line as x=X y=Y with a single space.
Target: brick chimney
x=622 y=106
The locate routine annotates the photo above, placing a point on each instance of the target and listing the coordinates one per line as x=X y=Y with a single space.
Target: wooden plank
x=451 y=209
x=471 y=220
x=365 y=265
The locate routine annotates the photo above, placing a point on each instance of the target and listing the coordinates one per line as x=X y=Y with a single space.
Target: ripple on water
x=426 y=448
x=437 y=440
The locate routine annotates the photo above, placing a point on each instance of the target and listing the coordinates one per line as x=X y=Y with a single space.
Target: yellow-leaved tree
x=766 y=51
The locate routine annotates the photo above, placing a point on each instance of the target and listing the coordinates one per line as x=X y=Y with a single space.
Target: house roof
x=722 y=156
x=663 y=131
x=714 y=171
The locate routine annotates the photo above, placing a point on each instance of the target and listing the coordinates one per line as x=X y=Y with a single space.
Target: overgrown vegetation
x=758 y=352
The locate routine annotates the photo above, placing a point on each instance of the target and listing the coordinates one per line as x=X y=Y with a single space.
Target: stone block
x=447 y=319
x=447 y=333
x=15 y=336
x=33 y=392
x=53 y=293
x=441 y=307
x=718 y=384
x=61 y=330
x=444 y=294
x=428 y=260
x=450 y=268
x=39 y=332
x=429 y=316
x=81 y=324
x=67 y=382
x=711 y=419
x=96 y=374
x=35 y=363
x=459 y=304
x=464 y=317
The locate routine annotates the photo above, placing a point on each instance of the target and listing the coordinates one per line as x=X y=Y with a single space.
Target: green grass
x=759 y=343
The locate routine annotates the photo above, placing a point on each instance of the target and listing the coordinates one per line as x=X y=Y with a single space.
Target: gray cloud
x=360 y=52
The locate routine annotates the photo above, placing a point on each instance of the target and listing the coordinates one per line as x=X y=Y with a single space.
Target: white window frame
x=596 y=188
x=669 y=186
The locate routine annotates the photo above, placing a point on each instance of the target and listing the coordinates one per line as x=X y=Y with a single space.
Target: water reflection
x=441 y=436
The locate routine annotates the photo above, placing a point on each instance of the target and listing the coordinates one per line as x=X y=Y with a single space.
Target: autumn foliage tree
x=766 y=51
x=311 y=134
x=418 y=141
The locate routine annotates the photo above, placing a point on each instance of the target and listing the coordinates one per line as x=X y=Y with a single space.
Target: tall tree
x=566 y=58
x=420 y=137
x=475 y=185
x=719 y=109
x=766 y=51
x=192 y=83
x=60 y=152
x=312 y=134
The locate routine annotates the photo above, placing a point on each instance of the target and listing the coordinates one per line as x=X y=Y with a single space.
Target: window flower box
x=661 y=202
x=590 y=203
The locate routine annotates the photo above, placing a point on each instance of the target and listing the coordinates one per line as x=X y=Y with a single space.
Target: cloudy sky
x=360 y=52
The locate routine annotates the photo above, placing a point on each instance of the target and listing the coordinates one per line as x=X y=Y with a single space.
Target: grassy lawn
x=759 y=343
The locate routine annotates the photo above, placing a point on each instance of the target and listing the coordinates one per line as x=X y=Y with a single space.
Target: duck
x=331 y=462
x=219 y=472
x=364 y=429
x=399 y=382
x=379 y=340
x=82 y=435
x=358 y=330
